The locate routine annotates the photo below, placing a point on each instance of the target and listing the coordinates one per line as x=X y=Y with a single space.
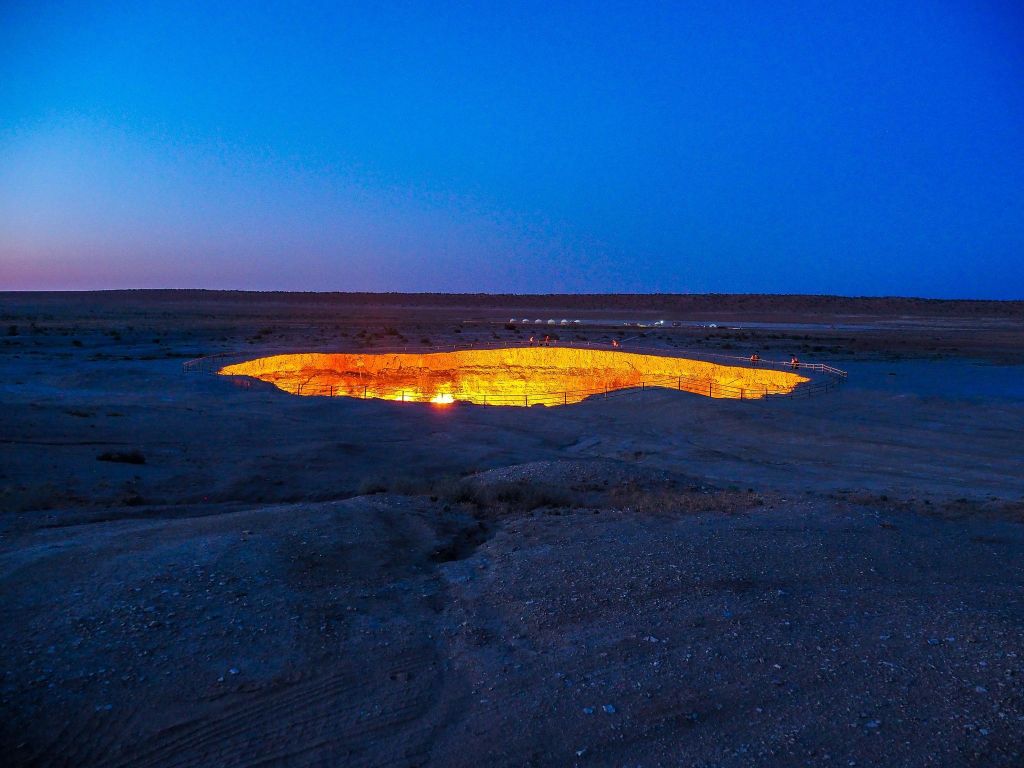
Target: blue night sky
x=785 y=147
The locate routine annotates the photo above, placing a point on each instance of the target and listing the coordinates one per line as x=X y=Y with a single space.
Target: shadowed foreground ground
x=657 y=580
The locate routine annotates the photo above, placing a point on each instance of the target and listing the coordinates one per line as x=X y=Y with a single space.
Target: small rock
x=609 y=708
x=873 y=724
x=588 y=710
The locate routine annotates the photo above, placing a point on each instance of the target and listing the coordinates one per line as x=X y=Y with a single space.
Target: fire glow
x=524 y=376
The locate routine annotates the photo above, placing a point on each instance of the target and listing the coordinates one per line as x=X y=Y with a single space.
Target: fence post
x=565 y=398
x=364 y=392
x=709 y=389
x=526 y=400
x=741 y=393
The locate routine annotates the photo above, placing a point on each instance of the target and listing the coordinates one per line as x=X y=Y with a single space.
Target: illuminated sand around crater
x=523 y=376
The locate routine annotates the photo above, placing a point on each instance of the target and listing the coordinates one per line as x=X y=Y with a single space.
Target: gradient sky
x=790 y=147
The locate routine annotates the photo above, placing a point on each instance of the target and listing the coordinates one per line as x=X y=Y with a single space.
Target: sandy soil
x=654 y=580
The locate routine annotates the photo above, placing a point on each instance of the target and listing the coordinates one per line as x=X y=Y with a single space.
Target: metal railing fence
x=828 y=378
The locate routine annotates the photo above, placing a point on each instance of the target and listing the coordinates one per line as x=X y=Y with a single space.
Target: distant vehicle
x=577 y=322
x=660 y=322
x=564 y=322
x=675 y=323
x=538 y=321
x=551 y=322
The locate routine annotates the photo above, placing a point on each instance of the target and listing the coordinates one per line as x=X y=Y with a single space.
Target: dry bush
x=502 y=497
x=990 y=508
x=372 y=485
x=123 y=457
x=487 y=499
x=36 y=498
x=510 y=496
x=672 y=501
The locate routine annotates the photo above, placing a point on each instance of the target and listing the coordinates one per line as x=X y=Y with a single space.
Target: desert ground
x=199 y=573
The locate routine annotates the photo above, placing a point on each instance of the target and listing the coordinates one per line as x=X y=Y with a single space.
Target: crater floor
x=517 y=376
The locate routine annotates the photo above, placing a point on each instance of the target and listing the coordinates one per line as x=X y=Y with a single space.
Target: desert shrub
x=122 y=457
x=505 y=496
x=410 y=485
x=452 y=489
x=371 y=485
x=36 y=497
x=670 y=501
x=523 y=496
x=501 y=497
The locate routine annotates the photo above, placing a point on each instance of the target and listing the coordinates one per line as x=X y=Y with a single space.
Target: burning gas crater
x=522 y=377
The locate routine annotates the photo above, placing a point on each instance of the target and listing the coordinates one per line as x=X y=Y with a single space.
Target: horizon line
x=506 y=294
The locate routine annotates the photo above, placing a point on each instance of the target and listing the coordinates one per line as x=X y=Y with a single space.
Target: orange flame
x=521 y=376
